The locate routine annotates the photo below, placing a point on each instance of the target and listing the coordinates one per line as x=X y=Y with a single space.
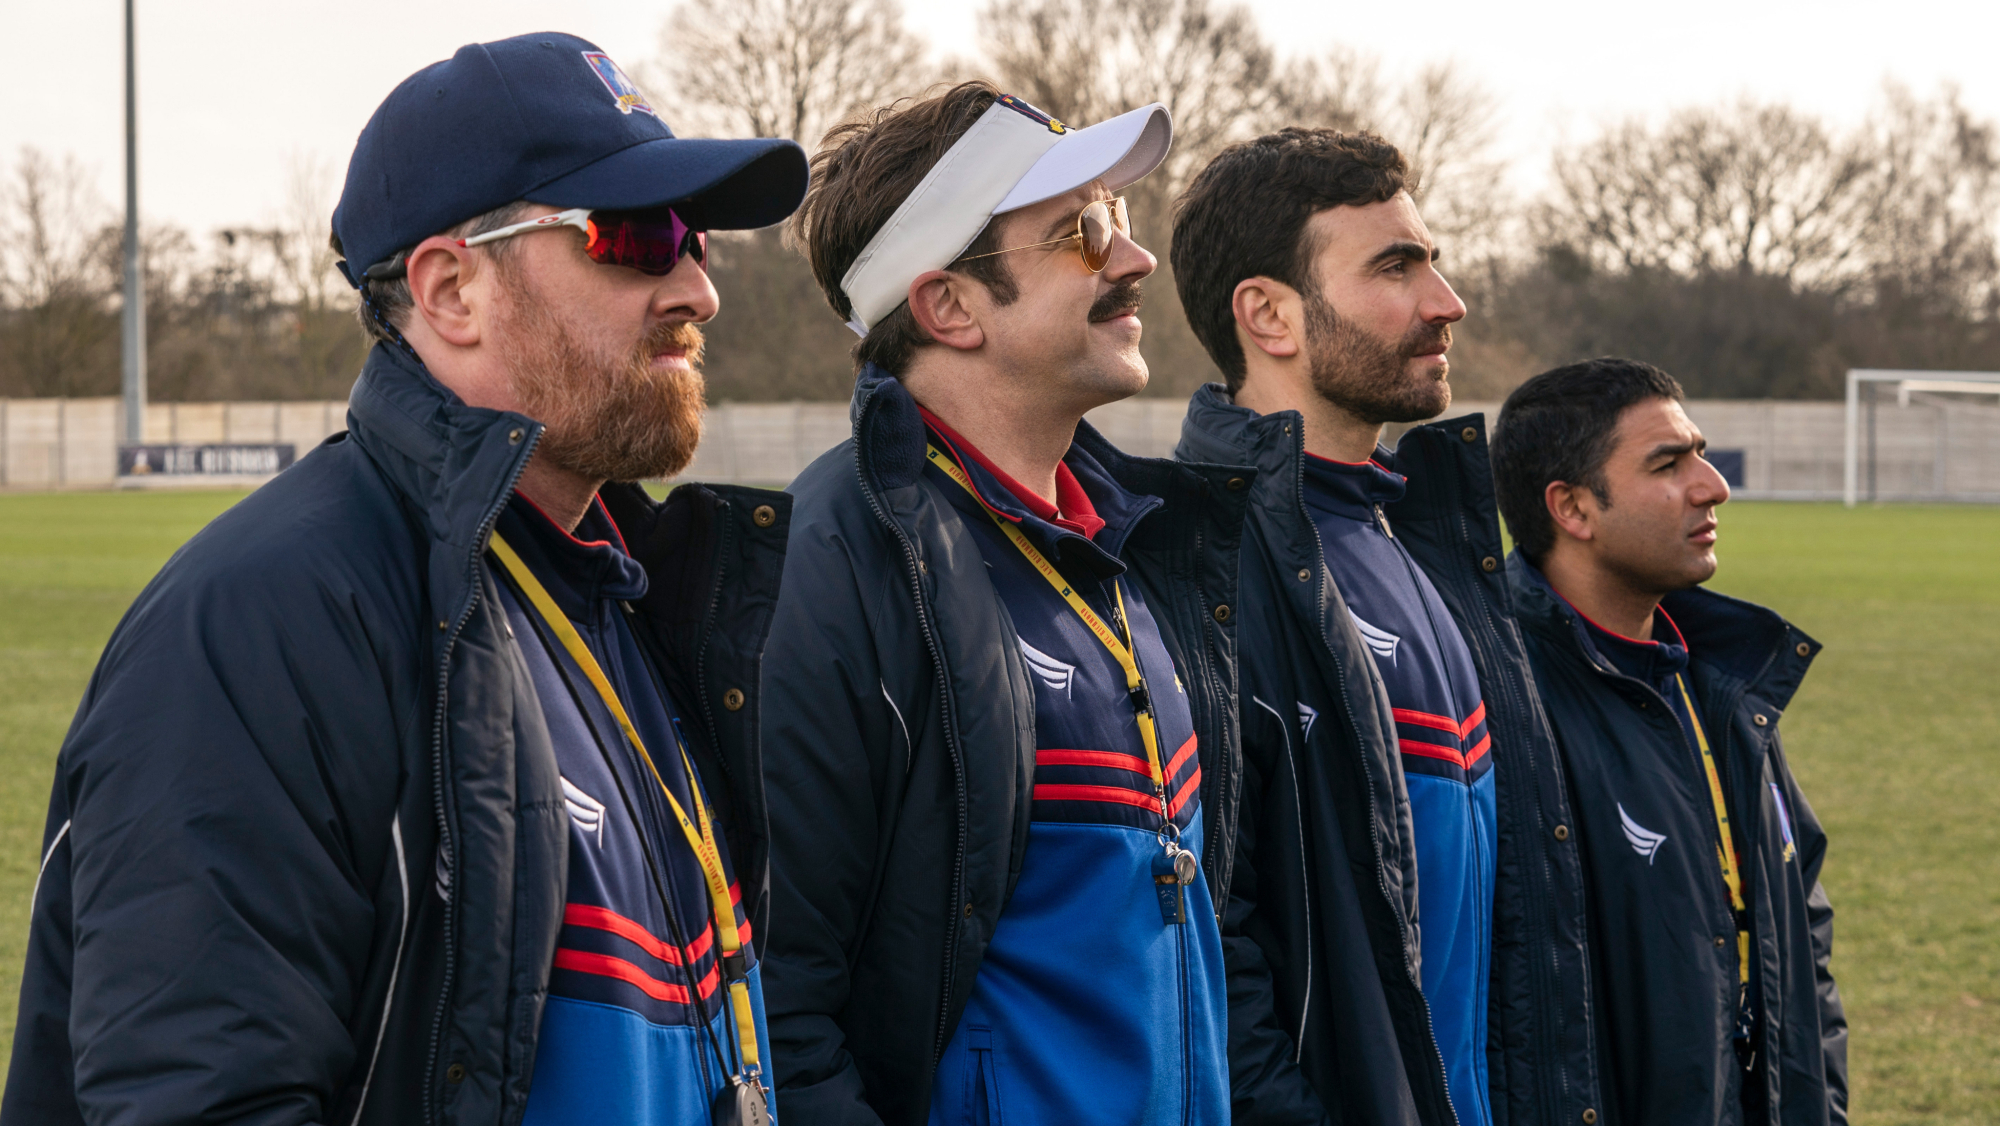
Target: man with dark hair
x=429 y=771
x=1000 y=734
x=1403 y=930
x=1709 y=933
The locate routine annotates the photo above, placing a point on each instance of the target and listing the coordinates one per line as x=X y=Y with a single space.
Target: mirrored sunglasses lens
x=651 y=242
x=1095 y=226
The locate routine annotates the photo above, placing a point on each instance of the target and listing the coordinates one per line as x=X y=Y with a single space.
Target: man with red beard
x=1402 y=928
x=427 y=777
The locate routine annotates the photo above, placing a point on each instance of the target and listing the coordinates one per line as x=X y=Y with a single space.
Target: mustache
x=1123 y=298
x=672 y=336
x=1425 y=339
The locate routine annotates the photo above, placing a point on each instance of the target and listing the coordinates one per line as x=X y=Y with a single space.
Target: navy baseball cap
x=546 y=118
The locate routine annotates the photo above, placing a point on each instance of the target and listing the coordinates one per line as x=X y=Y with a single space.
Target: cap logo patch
x=622 y=90
x=1029 y=112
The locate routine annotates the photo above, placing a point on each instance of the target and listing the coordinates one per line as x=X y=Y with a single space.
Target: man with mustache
x=999 y=745
x=1401 y=927
x=1709 y=934
x=423 y=784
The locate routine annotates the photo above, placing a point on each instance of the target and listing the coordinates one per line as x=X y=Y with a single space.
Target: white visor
x=1013 y=156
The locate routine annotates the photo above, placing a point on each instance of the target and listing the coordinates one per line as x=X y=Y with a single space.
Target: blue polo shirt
x=622 y=1036
x=1087 y=1007
x=1446 y=752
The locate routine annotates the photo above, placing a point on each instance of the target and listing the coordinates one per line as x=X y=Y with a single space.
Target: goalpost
x=1924 y=382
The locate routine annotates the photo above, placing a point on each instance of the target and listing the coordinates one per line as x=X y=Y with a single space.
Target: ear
x=1269 y=316
x=940 y=301
x=440 y=271
x=1574 y=509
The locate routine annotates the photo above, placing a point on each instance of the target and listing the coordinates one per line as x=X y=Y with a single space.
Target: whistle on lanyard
x=1173 y=869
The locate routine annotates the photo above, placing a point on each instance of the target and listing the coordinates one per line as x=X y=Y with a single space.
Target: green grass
x=1893 y=738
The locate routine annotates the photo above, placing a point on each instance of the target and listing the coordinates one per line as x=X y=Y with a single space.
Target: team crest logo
x=1380 y=641
x=1056 y=674
x=1307 y=714
x=622 y=90
x=1644 y=841
x=586 y=811
x=1029 y=112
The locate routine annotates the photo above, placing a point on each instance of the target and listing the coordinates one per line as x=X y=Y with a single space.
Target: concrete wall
x=1934 y=449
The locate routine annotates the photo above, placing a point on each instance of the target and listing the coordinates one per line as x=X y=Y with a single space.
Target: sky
x=235 y=93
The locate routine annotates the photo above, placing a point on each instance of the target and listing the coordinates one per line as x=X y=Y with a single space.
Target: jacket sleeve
x=1267 y=1087
x=219 y=909
x=1819 y=918
x=829 y=727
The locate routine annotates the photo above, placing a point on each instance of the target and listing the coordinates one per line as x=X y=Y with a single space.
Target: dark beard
x=606 y=418
x=1367 y=376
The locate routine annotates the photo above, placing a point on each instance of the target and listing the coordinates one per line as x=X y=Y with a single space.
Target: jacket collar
x=1351 y=488
x=457 y=463
x=1744 y=641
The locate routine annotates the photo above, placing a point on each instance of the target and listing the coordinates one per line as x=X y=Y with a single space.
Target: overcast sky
x=233 y=92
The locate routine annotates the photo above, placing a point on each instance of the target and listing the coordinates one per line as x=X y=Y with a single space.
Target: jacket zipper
x=1347 y=701
x=952 y=915
x=439 y=784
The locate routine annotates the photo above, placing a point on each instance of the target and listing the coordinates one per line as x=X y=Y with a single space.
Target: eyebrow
x=1406 y=251
x=1676 y=449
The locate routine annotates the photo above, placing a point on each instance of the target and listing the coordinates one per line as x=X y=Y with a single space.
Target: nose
x=685 y=294
x=1441 y=304
x=1709 y=488
x=1129 y=261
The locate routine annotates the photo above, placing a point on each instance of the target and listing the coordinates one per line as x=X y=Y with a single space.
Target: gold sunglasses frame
x=1121 y=224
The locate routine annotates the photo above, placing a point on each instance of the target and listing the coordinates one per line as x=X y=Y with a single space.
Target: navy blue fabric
x=1665 y=974
x=1328 y=1014
x=1135 y=1031
x=901 y=758
x=547 y=118
x=307 y=845
x=1441 y=733
x=622 y=1037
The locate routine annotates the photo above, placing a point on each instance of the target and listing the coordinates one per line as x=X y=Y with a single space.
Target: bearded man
x=1403 y=930
x=431 y=768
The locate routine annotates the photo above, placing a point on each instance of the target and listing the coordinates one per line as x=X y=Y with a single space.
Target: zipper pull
x=1382 y=518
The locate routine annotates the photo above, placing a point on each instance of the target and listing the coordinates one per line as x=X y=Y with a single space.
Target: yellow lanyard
x=1725 y=848
x=699 y=831
x=1134 y=683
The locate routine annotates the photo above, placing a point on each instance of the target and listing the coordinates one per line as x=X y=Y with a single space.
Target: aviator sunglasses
x=651 y=241
x=1096 y=226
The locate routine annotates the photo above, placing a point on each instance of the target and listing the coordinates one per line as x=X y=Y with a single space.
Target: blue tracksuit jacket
x=1087 y=1006
x=621 y=1034
x=1446 y=752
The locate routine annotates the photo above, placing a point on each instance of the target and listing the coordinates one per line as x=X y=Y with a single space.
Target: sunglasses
x=652 y=241
x=1096 y=227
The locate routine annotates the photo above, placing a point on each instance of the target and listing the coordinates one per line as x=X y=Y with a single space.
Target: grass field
x=1895 y=737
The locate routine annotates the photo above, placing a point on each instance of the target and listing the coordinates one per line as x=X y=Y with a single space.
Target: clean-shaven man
x=1403 y=930
x=1000 y=740
x=1709 y=933
x=429 y=771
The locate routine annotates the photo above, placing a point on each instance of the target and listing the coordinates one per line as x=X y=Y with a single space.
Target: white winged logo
x=1380 y=640
x=1645 y=842
x=1054 y=673
x=586 y=811
x=1306 y=717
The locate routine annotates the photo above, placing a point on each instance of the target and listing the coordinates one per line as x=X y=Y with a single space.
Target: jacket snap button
x=1236 y=484
x=968 y=909
x=1802 y=649
x=763 y=516
x=1589 y=1116
x=1718 y=940
x=515 y=435
x=1759 y=720
x=1472 y=435
x=1562 y=832
x=1489 y=564
x=442 y=624
x=733 y=699
x=1222 y=613
x=923 y=567
x=455 y=1073
x=1305 y=573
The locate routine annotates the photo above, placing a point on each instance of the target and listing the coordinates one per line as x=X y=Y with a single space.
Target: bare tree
x=56 y=245
x=1755 y=189
x=782 y=68
x=1937 y=184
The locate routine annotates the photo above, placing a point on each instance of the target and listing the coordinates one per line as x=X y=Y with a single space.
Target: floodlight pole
x=135 y=292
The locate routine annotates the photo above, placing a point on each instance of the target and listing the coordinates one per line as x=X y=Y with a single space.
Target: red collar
x=1072 y=510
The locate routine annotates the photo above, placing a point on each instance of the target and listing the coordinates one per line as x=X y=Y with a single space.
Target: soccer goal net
x=1922 y=435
